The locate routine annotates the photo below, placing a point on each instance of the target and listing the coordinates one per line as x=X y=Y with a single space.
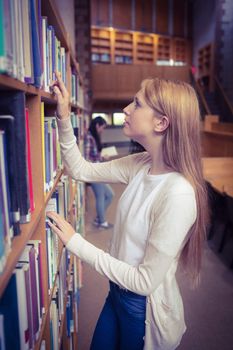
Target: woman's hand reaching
x=60 y=226
x=63 y=98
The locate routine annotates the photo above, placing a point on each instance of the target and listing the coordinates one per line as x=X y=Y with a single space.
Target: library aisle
x=208 y=310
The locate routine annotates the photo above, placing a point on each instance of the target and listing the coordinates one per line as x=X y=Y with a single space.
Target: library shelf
x=133 y=47
x=41 y=103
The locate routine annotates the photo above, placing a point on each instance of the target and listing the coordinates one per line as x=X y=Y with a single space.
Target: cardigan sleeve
x=166 y=239
x=118 y=170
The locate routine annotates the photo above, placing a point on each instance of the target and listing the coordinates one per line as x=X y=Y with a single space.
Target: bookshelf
x=123 y=47
x=46 y=304
x=164 y=50
x=145 y=48
x=206 y=65
x=101 y=46
x=133 y=47
x=180 y=48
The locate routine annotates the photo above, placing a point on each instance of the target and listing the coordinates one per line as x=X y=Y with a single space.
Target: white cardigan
x=153 y=218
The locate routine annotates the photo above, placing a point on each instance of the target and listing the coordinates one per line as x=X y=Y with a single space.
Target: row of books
x=52 y=155
x=105 y=58
x=59 y=203
x=29 y=48
x=16 y=183
x=123 y=59
x=57 y=306
x=80 y=125
x=100 y=57
x=78 y=208
x=22 y=304
x=77 y=94
x=16 y=189
x=19 y=41
x=68 y=302
x=53 y=54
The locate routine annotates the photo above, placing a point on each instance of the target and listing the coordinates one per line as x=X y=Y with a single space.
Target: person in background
x=103 y=192
x=161 y=217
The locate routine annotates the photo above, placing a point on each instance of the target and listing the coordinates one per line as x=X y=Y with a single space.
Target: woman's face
x=139 y=119
x=100 y=128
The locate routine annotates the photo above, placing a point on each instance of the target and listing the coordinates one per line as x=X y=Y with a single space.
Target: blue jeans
x=103 y=198
x=121 y=325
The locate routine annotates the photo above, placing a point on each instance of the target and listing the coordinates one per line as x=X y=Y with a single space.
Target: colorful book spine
x=7 y=124
x=29 y=163
x=9 y=312
x=4 y=196
x=35 y=45
x=13 y=103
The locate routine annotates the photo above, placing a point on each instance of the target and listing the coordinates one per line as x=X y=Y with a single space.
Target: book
x=6 y=58
x=13 y=103
x=109 y=152
x=27 y=42
x=5 y=200
x=29 y=164
x=2 y=337
x=22 y=307
x=29 y=303
x=35 y=45
x=7 y=123
x=2 y=232
x=29 y=256
x=9 y=311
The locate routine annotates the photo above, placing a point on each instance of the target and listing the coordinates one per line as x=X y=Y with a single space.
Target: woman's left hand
x=60 y=226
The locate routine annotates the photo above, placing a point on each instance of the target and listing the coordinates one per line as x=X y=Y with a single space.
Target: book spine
x=22 y=307
x=29 y=164
x=35 y=46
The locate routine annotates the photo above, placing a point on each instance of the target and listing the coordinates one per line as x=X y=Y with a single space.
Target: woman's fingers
x=60 y=226
x=61 y=84
x=55 y=229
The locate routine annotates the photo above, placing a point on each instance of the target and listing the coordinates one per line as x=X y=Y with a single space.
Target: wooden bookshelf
x=164 y=53
x=101 y=45
x=35 y=229
x=206 y=65
x=123 y=47
x=132 y=47
x=180 y=50
x=145 y=48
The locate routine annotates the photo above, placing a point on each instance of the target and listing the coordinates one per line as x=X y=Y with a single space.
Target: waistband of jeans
x=122 y=290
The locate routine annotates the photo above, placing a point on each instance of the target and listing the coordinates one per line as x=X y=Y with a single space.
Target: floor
x=208 y=310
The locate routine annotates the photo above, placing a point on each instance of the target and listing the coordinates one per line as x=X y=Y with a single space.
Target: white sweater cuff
x=86 y=251
x=66 y=133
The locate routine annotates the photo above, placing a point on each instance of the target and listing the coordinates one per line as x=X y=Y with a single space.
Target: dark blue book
x=2 y=232
x=35 y=46
x=4 y=170
x=8 y=232
x=9 y=310
x=13 y=103
x=8 y=125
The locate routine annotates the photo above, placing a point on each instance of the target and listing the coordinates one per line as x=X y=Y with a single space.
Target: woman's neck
x=158 y=165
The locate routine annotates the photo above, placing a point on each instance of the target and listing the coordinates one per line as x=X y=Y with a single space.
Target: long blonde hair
x=182 y=152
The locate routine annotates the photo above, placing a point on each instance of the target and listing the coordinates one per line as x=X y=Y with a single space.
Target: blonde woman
x=160 y=220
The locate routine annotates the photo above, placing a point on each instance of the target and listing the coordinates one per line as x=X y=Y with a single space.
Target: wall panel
x=121 y=14
x=161 y=16
x=178 y=17
x=100 y=12
x=143 y=15
x=121 y=82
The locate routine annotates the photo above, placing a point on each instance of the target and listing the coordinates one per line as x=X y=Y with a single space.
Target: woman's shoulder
x=139 y=160
x=178 y=184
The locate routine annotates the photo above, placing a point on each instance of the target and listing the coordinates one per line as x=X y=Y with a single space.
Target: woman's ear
x=161 y=124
